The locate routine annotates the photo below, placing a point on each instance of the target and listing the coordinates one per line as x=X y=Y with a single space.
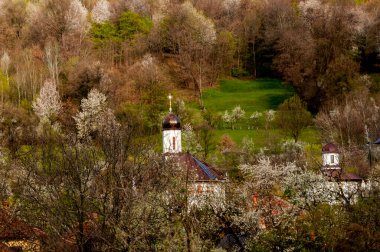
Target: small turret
x=330 y=157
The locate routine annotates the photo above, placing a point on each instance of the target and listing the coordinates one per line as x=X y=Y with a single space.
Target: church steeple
x=170 y=102
x=171 y=132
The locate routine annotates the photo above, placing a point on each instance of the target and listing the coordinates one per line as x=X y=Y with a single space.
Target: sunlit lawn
x=262 y=137
x=252 y=95
x=257 y=95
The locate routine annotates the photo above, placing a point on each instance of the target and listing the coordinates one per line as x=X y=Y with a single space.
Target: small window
x=332 y=159
x=173 y=143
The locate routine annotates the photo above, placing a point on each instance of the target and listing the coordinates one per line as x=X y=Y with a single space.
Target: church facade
x=342 y=187
x=205 y=183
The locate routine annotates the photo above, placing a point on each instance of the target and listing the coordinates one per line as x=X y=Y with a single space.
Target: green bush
x=131 y=24
x=126 y=28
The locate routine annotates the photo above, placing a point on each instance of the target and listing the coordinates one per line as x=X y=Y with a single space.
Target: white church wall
x=330 y=159
x=206 y=194
x=171 y=140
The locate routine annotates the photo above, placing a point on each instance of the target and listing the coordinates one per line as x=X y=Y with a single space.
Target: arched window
x=332 y=159
x=173 y=143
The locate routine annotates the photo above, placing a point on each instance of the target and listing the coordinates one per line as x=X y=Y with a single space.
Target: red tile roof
x=199 y=170
x=12 y=228
x=330 y=148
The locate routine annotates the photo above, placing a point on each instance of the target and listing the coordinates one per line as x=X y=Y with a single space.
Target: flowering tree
x=95 y=116
x=101 y=11
x=311 y=6
x=202 y=25
x=269 y=117
x=191 y=143
x=76 y=17
x=48 y=104
x=226 y=117
x=237 y=114
x=230 y=5
x=300 y=186
x=255 y=117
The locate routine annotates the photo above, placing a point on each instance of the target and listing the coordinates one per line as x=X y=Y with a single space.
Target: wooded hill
x=257 y=84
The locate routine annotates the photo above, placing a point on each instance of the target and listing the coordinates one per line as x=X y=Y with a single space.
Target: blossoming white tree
x=226 y=117
x=94 y=116
x=237 y=114
x=76 y=17
x=269 y=117
x=190 y=141
x=255 y=117
x=101 y=11
x=48 y=104
x=301 y=187
x=230 y=5
x=203 y=26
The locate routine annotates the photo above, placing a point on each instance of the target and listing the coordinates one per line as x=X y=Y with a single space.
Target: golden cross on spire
x=170 y=102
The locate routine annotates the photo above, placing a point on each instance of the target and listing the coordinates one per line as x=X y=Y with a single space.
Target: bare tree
x=4 y=65
x=47 y=19
x=190 y=35
x=51 y=59
x=345 y=122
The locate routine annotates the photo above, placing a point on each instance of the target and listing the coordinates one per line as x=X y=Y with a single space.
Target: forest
x=260 y=86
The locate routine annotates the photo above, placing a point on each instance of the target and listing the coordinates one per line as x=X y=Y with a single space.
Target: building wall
x=171 y=140
x=330 y=159
x=206 y=193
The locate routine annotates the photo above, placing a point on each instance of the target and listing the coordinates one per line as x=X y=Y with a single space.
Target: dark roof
x=13 y=228
x=171 y=121
x=199 y=170
x=341 y=175
x=330 y=148
x=377 y=141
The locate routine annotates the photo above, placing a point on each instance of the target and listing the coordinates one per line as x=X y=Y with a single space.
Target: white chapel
x=205 y=182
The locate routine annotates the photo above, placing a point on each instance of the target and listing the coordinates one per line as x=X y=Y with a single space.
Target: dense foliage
x=83 y=90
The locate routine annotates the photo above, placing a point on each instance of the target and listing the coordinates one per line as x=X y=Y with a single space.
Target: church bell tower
x=171 y=132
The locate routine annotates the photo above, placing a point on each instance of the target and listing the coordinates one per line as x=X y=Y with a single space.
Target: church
x=344 y=187
x=205 y=183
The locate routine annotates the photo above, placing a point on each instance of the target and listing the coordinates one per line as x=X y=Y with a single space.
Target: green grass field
x=261 y=137
x=252 y=95
x=257 y=95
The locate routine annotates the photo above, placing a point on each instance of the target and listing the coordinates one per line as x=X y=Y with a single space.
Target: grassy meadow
x=258 y=95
